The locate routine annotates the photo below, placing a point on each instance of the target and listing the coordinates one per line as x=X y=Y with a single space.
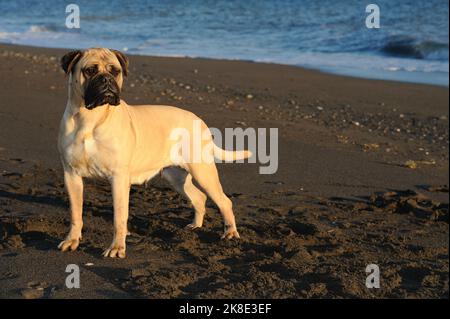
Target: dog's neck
x=76 y=110
x=74 y=103
x=75 y=100
x=88 y=119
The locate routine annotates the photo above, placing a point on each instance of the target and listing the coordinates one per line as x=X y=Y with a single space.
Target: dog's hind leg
x=181 y=181
x=208 y=179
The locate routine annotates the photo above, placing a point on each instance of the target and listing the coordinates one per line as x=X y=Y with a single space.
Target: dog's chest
x=84 y=155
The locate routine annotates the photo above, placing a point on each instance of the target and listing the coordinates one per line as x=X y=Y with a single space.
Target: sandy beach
x=362 y=179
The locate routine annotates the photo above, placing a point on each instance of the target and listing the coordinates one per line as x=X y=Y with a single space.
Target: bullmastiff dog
x=101 y=136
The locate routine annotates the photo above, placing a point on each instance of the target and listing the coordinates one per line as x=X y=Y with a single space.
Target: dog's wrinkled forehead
x=99 y=56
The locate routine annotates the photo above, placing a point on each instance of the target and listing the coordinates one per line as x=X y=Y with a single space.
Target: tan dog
x=102 y=136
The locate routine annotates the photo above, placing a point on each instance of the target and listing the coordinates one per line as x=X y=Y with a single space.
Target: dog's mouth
x=108 y=97
x=101 y=90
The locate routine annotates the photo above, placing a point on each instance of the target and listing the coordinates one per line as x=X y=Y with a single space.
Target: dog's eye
x=90 y=71
x=114 y=71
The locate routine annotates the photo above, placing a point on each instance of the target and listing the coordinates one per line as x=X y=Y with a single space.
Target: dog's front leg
x=121 y=195
x=74 y=186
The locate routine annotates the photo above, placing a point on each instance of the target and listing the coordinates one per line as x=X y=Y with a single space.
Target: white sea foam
x=38 y=28
x=285 y=32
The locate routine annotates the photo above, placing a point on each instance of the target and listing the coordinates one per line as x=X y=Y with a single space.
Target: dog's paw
x=114 y=251
x=69 y=244
x=230 y=233
x=192 y=226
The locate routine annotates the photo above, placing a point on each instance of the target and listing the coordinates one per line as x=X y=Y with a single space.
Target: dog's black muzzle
x=101 y=89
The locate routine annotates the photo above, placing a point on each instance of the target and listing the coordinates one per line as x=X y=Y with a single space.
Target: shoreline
x=362 y=178
x=340 y=72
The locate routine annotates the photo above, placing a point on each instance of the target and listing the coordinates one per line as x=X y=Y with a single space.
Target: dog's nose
x=105 y=80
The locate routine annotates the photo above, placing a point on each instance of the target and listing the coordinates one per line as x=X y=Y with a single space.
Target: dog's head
x=96 y=75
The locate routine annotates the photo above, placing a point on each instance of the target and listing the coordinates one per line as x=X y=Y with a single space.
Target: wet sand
x=362 y=179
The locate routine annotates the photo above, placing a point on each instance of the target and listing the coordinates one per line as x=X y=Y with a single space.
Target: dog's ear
x=123 y=61
x=69 y=60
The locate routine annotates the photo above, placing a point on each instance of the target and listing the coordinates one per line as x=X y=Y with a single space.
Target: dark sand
x=363 y=178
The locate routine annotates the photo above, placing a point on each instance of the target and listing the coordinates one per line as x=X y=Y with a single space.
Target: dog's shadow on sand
x=36 y=232
x=39 y=240
x=36 y=199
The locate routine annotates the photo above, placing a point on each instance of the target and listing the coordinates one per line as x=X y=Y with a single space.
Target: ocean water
x=410 y=45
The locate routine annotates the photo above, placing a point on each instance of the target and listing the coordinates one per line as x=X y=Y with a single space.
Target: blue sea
x=410 y=45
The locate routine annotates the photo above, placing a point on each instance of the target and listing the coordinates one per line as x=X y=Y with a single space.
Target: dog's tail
x=231 y=155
